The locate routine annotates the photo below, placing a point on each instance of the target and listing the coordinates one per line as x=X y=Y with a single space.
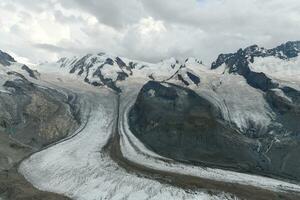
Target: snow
x=5 y=77
x=159 y=71
x=140 y=154
x=79 y=167
x=278 y=68
x=232 y=95
x=239 y=98
x=110 y=71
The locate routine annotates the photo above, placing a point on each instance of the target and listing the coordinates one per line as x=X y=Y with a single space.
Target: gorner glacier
x=100 y=126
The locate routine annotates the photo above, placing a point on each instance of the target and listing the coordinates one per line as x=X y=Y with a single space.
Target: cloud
x=117 y=13
x=149 y=30
x=49 y=47
x=150 y=38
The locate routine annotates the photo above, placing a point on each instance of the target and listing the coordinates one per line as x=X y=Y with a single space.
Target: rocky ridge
x=171 y=122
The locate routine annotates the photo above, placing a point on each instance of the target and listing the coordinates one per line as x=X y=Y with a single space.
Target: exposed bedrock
x=285 y=102
x=31 y=117
x=178 y=123
x=34 y=115
x=6 y=59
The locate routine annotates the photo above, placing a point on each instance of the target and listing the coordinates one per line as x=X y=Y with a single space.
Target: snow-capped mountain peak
x=108 y=70
x=284 y=51
x=281 y=62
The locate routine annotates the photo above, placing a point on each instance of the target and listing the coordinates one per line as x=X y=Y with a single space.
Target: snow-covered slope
x=273 y=72
x=277 y=68
x=10 y=69
x=281 y=62
x=108 y=70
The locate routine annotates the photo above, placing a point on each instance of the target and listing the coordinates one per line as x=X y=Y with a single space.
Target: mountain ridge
x=241 y=116
x=290 y=49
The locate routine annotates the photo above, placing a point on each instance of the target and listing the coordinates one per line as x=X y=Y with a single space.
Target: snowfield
x=277 y=68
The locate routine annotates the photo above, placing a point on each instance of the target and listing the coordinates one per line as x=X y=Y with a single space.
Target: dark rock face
x=282 y=141
x=287 y=109
x=284 y=51
x=289 y=50
x=194 y=78
x=83 y=65
x=30 y=118
x=5 y=58
x=239 y=62
x=32 y=73
x=36 y=116
x=132 y=65
x=14 y=186
x=80 y=65
x=123 y=65
x=283 y=100
x=108 y=81
x=177 y=123
x=182 y=80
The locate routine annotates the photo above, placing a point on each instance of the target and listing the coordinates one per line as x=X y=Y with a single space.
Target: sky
x=36 y=31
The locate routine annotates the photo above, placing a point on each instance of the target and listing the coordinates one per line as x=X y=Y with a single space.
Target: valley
x=106 y=127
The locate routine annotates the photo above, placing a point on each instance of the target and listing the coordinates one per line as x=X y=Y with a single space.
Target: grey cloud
x=49 y=47
x=117 y=13
x=63 y=51
x=62 y=18
x=199 y=28
x=34 y=5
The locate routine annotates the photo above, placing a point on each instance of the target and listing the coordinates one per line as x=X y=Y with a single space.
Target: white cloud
x=144 y=29
x=148 y=26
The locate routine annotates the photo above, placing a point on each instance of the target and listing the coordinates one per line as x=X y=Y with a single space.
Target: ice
x=140 y=154
x=80 y=168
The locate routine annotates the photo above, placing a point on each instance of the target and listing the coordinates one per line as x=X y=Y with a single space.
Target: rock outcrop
x=34 y=115
x=6 y=59
x=177 y=123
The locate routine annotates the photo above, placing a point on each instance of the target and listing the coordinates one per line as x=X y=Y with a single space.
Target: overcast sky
x=149 y=30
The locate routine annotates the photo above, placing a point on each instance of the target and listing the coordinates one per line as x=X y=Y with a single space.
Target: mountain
x=74 y=125
x=284 y=51
x=108 y=70
x=244 y=116
x=243 y=62
x=31 y=118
